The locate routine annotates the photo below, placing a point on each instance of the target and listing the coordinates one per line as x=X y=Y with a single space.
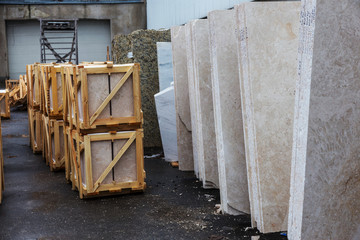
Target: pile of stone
x=267 y=111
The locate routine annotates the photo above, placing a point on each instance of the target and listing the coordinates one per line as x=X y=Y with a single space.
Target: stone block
x=199 y=69
x=182 y=105
x=325 y=189
x=165 y=108
x=268 y=44
x=233 y=182
x=165 y=66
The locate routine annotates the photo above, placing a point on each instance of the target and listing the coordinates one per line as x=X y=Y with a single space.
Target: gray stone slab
x=204 y=114
x=164 y=57
x=182 y=104
x=233 y=182
x=325 y=189
x=165 y=108
x=268 y=44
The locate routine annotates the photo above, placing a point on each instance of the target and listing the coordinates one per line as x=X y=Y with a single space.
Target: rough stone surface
x=182 y=105
x=268 y=43
x=204 y=114
x=140 y=47
x=165 y=65
x=165 y=108
x=325 y=189
x=233 y=182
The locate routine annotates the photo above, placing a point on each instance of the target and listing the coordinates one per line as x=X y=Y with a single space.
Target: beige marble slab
x=233 y=182
x=182 y=104
x=192 y=99
x=268 y=43
x=325 y=179
x=205 y=127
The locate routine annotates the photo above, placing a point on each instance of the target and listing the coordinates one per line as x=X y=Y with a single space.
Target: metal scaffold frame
x=58 y=41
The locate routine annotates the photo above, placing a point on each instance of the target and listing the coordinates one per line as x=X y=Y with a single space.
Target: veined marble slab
x=165 y=108
x=233 y=182
x=325 y=178
x=165 y=66
x=204 y=114
x=192 y=99
x=268 y=44
x=182 y=104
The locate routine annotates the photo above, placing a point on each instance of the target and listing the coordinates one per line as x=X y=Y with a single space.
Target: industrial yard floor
x=39 y=204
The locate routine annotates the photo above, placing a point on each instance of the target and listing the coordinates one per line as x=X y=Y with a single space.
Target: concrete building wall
x=124 y=19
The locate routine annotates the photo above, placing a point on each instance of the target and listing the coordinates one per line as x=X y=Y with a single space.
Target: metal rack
x=58 y=41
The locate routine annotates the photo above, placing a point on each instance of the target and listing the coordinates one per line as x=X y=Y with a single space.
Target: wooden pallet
x=36 y=130
x=106 y=163
x=17 y=91
x=2 y=180
x=10 y=84
x=99 y=96
x=4 y=103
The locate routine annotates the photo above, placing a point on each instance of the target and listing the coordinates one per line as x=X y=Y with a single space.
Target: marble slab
x=204 y=114
x=325 y=189
x=268 y=44
x=230 y=146
x=182 y=104
x=192 y=99
x=164 y=57
x=165 y=108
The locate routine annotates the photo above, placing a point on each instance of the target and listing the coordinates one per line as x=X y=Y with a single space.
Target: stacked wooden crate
x=103 y=128
x=52 y=115
x=34 y=101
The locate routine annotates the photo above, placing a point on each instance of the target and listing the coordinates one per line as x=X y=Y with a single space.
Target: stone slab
x=204 y=114
x=268 y=43
x=182 y=104
x=165 y=66
x=232 y=169
x=325 y=189
x=165 y=108
x=192 y=99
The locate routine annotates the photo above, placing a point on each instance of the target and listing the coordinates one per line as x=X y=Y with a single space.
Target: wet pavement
x=39 y=204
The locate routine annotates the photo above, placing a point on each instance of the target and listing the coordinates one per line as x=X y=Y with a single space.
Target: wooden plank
x=88 y=163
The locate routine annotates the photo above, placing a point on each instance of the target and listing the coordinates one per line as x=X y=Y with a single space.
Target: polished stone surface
x=165 y=66
x=165 y=108
x=233 y=182
x=325 y=189
x=268 y=44
x=204 y=115
x=182 y=105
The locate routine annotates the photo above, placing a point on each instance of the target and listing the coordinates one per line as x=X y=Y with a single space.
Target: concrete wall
x=124 y=19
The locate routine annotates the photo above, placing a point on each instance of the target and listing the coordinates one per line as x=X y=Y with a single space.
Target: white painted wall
x=168 y=13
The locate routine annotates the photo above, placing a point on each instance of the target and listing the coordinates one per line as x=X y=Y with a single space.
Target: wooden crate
x=4 y=103
x=2 y=180
x=36 y=130
x=11 y=83
x=56 y=145
x=52 y=77
x=105 y=163
x=103 y=96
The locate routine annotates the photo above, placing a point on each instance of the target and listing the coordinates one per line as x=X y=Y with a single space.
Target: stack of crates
x=103 y=128
x=34 y=100
x=52 y=115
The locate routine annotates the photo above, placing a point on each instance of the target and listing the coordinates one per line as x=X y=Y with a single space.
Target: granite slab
x=325 y=189
x=204 y=114
x=267 y=44
x=182 y=104
x=230 y=146
x=165 y=66
x=165 y=108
